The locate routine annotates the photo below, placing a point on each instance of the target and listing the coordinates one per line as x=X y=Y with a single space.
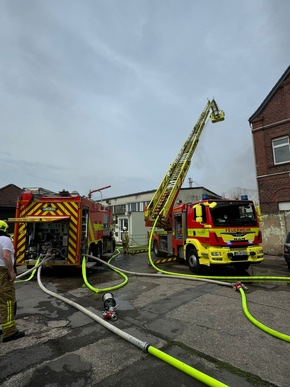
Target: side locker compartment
x=74 y=232
x=20 y=242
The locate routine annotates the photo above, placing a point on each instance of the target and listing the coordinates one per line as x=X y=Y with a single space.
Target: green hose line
x=135 y=341
x=231 y=278
x=118 y=252
x=261 y=326
x=97 y=290
x=32 y=272
x=207 y=380
x=213 y=279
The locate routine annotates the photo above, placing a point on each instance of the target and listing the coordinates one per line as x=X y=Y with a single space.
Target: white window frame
x=133 y=207
x=276 y=147
x=284 y=206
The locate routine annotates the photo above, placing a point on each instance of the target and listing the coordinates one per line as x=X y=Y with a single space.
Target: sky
x=104 y=93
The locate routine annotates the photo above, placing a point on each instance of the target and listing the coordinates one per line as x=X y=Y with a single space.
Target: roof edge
x=272 y=92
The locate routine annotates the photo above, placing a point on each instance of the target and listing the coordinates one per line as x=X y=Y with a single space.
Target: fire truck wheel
x=96 y=251
x=156 y=249
x=193 y=261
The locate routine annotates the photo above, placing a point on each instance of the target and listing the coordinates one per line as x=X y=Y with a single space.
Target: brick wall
x=271 y=121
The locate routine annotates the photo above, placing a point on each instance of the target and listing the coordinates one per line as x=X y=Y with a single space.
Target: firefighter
x=125 y=241
x=7 y=288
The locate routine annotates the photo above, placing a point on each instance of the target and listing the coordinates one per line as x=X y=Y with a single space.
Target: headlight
x=216 y=254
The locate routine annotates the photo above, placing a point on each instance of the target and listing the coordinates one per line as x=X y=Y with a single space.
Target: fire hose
x=110 y=312
x=144 y=346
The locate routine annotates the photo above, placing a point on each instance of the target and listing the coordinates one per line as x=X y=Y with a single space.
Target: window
x=120 y=209
x=281 y=150
x=143 y=205
x=233 y=214
x=133 y=207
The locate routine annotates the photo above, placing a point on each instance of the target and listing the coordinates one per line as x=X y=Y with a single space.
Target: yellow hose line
x=207 y=380
x=218 y=278
x=32 y=273
x=97 y=290
x=135 y=341
x=261 y=326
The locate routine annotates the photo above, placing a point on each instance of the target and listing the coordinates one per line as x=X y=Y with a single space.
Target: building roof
x=270 y=95
x=9 y=194
x=154 y=190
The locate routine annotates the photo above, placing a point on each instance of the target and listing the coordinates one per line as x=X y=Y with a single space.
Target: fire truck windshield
x=233 y=213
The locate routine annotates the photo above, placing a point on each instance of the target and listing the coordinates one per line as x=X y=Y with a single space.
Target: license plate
x=240 y=253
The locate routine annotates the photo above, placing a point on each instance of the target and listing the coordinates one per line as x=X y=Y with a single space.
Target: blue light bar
x=244 y=197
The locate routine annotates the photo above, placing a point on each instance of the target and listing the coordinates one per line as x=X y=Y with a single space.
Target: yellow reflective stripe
x=10 y=316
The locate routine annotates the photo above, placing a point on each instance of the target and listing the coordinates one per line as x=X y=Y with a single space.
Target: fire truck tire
x=96 y=251
x=156 y=249
x=193 y=261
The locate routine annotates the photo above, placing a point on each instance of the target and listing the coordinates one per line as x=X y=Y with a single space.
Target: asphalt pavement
x=201 y=324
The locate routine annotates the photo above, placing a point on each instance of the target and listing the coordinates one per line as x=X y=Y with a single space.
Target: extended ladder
x=163 y=200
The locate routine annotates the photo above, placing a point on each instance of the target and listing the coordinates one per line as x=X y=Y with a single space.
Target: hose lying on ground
x=208 y=380
x=261 y=326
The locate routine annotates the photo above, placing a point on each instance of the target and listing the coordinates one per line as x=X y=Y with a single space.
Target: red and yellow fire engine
x=63 y=225
x=212 y=231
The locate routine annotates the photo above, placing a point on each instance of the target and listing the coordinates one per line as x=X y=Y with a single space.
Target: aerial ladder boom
x=163 y=200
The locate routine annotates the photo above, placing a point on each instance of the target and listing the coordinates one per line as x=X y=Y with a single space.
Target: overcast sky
x=96 y=93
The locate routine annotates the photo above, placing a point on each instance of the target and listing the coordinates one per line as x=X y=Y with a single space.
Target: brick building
x=271 y=137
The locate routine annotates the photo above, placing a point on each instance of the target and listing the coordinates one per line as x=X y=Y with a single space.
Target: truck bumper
x=226 y=255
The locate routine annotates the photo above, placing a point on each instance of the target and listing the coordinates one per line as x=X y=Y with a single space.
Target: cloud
x=105 y=93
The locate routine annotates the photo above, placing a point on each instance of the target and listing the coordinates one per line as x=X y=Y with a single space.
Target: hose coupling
x=239 y=285
x=110 y=307
x=110 y=314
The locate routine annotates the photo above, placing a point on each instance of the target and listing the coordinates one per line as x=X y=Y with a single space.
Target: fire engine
x=212 y=231
x=63 y=225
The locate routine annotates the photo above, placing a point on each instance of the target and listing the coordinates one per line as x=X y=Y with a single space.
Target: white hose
x=161 y=275
x=47 y=258
x=133 y=340
x=144 y=346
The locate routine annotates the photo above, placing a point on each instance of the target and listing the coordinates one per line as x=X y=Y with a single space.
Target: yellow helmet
x=3 y=226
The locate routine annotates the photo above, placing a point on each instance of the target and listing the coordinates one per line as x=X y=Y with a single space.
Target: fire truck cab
x=213 y=232
x=62 y=225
